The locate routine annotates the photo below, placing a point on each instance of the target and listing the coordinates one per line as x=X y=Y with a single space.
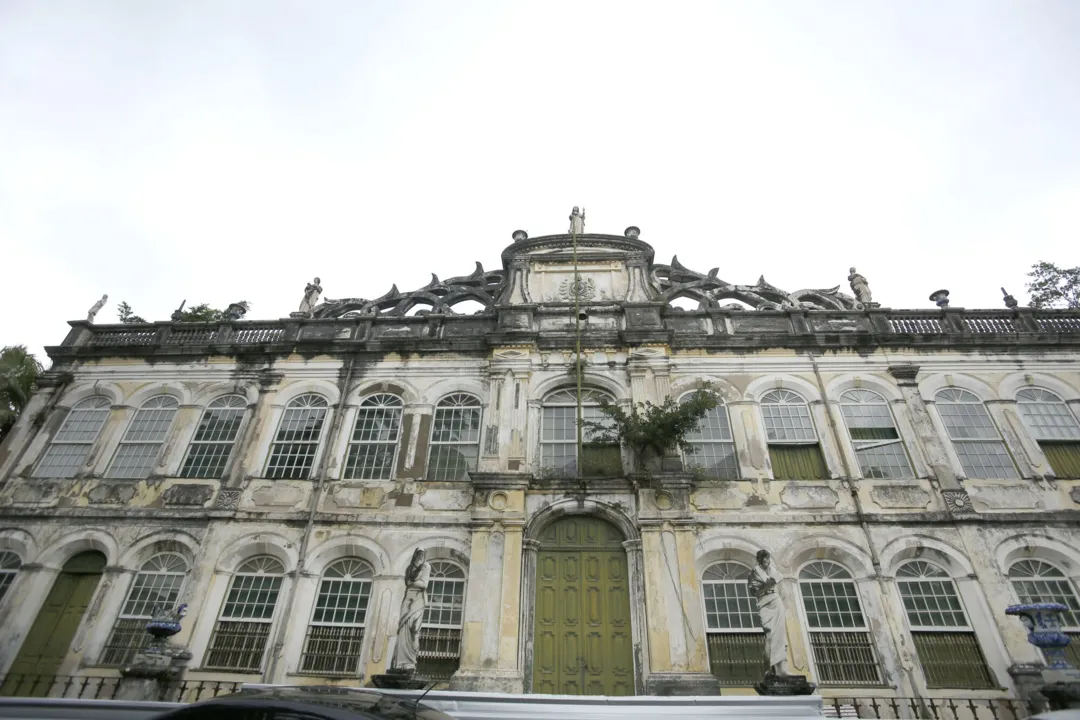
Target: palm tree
x=18 y=371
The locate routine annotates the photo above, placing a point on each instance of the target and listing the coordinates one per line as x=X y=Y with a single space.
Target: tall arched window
x=793 y=443
x=440 y=634
x=974 y=435
x=735 y=639
x=1054 y=427
x=336 y=631
x=839 y=637
x=714 y=450
x=374 y=439
x=558 y=436
x=157 y=585
x=455 y=438
x=944 y=639
x=292 y=454
x=877 y=443
x=238 y=642
x=212 y=445
x=1037 y=581
x=139 y=449
x=72 y=443
x=9 y=567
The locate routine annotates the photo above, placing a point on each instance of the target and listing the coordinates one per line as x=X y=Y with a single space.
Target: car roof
x=350 y=700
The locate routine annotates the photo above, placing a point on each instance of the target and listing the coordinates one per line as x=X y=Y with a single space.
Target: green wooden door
x=49 y=639
x=582 y=637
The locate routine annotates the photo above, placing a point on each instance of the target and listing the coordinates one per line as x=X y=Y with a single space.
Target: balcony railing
x=909 y=708
x=86 y=687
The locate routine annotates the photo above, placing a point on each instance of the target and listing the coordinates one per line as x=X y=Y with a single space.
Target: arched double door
x=582 y=637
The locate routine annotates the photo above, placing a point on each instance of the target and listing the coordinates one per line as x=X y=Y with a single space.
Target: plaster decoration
x=504 y=354
x=1075 y=494
x=277 y=495
x=357 y=496
x=439 y=295
x=1005 y=497
x=900 y=496
x=227 y=500
x=726 y=497
x=839 y=324
x=36 y=493
x=809 y=497
x=439 y=499
x=957 y=501
x=111 y=493
x=664 y=501
x=498 y=500
x=188 y=494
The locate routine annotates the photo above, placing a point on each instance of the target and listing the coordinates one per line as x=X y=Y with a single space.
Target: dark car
x=306 y=703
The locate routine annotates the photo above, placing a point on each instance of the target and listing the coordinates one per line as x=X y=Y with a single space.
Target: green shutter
x=1064 y=458
x=798 y=462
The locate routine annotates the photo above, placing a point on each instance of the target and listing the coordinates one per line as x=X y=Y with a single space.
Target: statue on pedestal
x=763 y=585
x=311 y=297
x=413 y=607
x=577 y=222
x=96 y=308
x=860 y=287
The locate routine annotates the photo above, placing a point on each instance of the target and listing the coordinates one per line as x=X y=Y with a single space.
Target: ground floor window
x=440 y=635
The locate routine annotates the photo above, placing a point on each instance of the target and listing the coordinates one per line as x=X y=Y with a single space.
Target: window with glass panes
x=793 y=443
x=1037 y=581
x=455 y=438
x=142 y=442
x=240 y=635
x=70 y=446
x=558 y=436
x=336 y=631
x=157 y=585
x=713 y=453
x=374 y=441
x=948 y=649
x=1054 y=427
x=9 y=567
x=877 y=442
x=212 y=445
x=293 y=451
x=973 y=434
x=440 y=634
x=839 y=638
x=733 y=630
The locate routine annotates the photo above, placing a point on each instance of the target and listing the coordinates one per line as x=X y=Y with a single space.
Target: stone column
x=929 y=440
x=154 y=675
x=751 y=448
x=13 y=450
x=492 y=414
x=1017 y=439
x=519 y=421
x=245 y=461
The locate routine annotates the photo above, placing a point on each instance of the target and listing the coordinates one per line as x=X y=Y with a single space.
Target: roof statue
x=577 y=222
x=860 y=287
x=95 y=308
x=311 y=297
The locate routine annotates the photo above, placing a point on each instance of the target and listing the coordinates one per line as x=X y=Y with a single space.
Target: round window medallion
x=498 y=500
x=663 y=500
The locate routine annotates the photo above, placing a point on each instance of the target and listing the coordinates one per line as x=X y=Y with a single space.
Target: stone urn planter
x=163 y=626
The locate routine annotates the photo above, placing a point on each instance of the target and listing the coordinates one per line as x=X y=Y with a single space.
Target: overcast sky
x=225 y=150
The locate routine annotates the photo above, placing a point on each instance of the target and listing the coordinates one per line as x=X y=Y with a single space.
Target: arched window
x=944 y=640
x=9 y=567
x=374 y=439
x=1037 y=581
x=735 y=639
x=336 y=631
x=1054 y=427
x=455 y=438
x=714 y=450
x=212 y=445
x=72 y=443
x=558 y=436
x=157 y=585
x=440 y=634
x=974 y=435
x=238 y=642
x=839 y=637
x=292 y=453
x=793 y=443
x=139 y=449
x=877 y=443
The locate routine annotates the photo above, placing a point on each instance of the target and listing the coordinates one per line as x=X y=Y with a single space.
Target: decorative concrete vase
x=1043 y=623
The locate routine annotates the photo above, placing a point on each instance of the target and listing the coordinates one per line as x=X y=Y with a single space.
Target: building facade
x=912 y=473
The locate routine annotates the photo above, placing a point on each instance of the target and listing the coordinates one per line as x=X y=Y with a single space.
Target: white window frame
x=956 y=397
x=374 y=411
x=10 y=562
x=455 y=404
x=717 y=423
x=443 y=634
x=147 y=430
x=227 y=408
x=838 y=574
x=939 y=574
x=167 y=568
x=742 y=592
x=292 y=418
x=590 y=411
x=1070 y=621
x=359 y=575
x=257 y=567
x=860 y=397
x=94 y=409
x=774 y=431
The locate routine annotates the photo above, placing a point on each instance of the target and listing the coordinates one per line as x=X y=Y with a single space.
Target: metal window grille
x=374 y=439
x=156 y=585
x=558 y=430
x=1055 y=428
x=841 y=644
x=877 y=442
x=948 y=649
x=214 y=438
x=292 y=454
x=335 y=634
x=440 y=634
x=72 y=443
x=974 y=435
x=455 y=438
x=735 y=641
x=1036 y=581
x=141 y=445
x=243 y=627
x=713 y=452
x=9 y=567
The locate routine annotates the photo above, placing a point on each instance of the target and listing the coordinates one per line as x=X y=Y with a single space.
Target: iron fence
x=909 y=708
x=88 y=687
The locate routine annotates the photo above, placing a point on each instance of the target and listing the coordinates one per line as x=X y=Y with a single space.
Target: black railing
x=86 y=687
x=907 y=708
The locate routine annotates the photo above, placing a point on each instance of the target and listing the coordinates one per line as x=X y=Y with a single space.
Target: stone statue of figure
x=95 y=308
x=577 y=222
x=762 y=584
x=859 y=286
x=311 y=296
x=412 y=614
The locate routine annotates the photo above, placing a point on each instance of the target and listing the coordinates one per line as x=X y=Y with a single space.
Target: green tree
x=200 y=313
x=18 y=372
x=126 y=315
x=1053 y=287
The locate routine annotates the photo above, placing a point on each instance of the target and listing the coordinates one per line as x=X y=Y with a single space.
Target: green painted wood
x=798 y=462
x=582 y=641
x=1064 y=458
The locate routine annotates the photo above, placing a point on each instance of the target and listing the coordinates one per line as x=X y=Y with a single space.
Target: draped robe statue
x=311 y=296
x=860 y=287
x=762 y=584
x=412 y=614
x=577 y=222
